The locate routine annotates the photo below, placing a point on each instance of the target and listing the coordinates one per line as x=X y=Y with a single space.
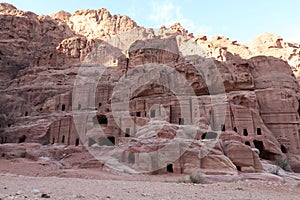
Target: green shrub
x=197 y=178
x=282 y=164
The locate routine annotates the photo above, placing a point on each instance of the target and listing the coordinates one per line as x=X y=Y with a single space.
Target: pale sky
x=237 y=19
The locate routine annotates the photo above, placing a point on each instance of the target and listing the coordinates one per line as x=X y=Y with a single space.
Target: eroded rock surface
x=146 y=101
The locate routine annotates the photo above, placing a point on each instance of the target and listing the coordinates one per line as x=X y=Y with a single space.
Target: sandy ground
x=24 y=187
x=26 y=179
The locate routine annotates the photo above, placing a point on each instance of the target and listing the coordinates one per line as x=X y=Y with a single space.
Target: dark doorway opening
x=63 y=107
x=247 y=143
x=181 y=121
x=26 y=114
x=77 y=142
x=91 y=141
x=262 y=152
x=259 y=145
x=100 y=119
x=99 y=105
x=53 y=140
x=152 y=113
x=131 y=158
x=108 y=141
x=170 y=168
x=235 y=129
x=223 y=127
x=245 y=132
x=63 y=139
x=283 y=149
x=258 y=131
x=111 y=139
x=239 y=168
x=209 y=135
x=22 y=139
x=138 y=114
x=127 y=132
x=2 y=140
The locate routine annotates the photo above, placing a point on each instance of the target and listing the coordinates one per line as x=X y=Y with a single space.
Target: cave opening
x=181 y=121
x=262 y=152
x=245 y=132
x=111 y=139
x=223 y=127
x=152 y=113
x=283 y=149
x=108 y=141
x=91 y=142
x=259 y=145
x=209 y=135
x=77 y=142
x=258 y=131
x=100 y=119
x=127 y=132
x=170 y=168
x=63 y=107
x=22 y=139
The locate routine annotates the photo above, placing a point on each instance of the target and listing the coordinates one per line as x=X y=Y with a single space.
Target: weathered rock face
x=154 y=101
x=96 y=23
x=27 y=40
x=267 y=44
x=243 y=156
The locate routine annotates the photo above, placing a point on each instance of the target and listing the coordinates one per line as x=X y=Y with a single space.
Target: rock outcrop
x=95 y=23
x=142 y=101
x=267 y=44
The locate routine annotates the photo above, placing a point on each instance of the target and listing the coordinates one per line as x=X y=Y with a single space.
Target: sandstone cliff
x=191 y=103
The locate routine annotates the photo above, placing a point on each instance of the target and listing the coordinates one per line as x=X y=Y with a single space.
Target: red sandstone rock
x=41 y=58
